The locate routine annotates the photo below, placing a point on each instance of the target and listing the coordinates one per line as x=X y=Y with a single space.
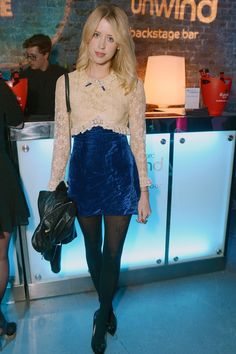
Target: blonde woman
x=107 y=176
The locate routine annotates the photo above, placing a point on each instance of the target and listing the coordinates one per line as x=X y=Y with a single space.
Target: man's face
x=36 y=59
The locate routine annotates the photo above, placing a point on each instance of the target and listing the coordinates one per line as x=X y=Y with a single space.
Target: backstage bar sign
x=201 y=12
x=23 y=18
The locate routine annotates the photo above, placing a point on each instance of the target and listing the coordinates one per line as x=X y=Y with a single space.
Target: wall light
x=164 y=82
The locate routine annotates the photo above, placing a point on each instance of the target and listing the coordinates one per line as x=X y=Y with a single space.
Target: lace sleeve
x=138 y=132
x=61 y=147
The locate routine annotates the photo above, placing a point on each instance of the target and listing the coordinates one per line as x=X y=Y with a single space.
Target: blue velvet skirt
x=103 y=177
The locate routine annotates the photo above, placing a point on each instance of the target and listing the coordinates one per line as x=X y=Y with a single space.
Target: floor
x=191 y=315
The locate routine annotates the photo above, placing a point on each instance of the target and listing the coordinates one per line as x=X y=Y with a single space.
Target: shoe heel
x=111 y=331
x=112 y=324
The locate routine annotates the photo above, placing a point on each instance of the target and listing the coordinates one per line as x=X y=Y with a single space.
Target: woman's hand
x=144 y=209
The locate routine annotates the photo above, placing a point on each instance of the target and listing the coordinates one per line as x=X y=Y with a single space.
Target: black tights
x=104 y=263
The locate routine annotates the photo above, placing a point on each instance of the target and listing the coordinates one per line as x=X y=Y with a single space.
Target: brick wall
x=211 y=45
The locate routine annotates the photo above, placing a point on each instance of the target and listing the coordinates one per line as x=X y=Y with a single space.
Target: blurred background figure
x=13 y=207
x=42 y=77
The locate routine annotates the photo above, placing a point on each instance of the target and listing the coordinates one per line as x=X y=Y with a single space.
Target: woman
x=107 y=180
x=13 y=208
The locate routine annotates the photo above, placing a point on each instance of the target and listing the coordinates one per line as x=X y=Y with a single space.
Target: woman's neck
x=98 y=72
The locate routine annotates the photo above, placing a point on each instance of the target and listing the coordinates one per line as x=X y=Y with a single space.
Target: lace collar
x=103 y=83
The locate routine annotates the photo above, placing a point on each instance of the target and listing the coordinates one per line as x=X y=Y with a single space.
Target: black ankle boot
x=111 y=325
x=98 y=342
x=7 y=329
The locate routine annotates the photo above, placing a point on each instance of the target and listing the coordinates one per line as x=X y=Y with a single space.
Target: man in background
x=42 y=77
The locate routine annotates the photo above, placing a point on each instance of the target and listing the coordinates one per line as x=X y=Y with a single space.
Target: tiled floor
x=192 y=315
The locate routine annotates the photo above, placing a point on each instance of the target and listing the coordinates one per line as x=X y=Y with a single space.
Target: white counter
x=186 y=233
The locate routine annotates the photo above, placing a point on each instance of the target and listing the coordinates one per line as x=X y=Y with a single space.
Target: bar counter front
x=186 y=234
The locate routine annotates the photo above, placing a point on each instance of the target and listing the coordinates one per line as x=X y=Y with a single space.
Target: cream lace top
x=98 y=103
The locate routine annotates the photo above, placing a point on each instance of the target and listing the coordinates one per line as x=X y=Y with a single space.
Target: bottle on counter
x=205 y=76
x=19 y=87
x=15 y=78
x=222 y=76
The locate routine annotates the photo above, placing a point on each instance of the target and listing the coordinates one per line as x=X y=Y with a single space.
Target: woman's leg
x=91 y=227
x=116 y=228
x=8 y=328
x=4 y=262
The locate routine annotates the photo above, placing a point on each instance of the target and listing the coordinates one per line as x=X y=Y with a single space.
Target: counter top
x=193 y=121
x=154 y=124
x=33 y=130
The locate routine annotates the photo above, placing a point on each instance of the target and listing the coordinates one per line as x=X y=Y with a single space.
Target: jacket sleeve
x=61 y=147
x=137 y=128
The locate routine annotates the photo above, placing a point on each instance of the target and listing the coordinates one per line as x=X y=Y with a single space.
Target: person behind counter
x=107 y=179
x=42 y=77
x=13 y=207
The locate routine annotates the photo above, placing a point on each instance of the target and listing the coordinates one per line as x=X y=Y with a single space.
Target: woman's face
x=102 y=46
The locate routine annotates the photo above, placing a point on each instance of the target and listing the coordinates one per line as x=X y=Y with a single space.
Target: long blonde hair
x=124 y=60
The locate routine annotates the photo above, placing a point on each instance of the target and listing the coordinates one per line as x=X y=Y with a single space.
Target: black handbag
x=57 y=219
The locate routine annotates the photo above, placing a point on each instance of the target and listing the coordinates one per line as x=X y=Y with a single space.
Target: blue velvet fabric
x=103 y=176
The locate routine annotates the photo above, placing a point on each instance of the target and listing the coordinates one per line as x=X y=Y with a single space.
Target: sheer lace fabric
x=98 y=103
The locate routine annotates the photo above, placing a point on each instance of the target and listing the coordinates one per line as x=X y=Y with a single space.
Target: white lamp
x=164 y=82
